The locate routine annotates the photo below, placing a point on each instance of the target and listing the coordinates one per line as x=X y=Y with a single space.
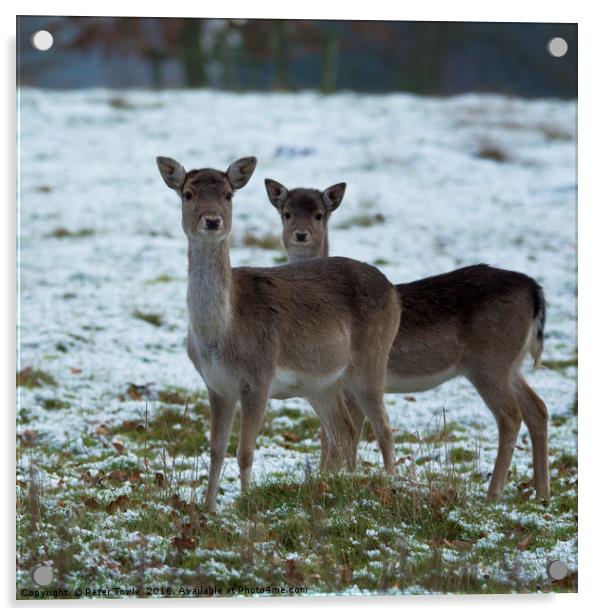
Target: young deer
x=306 y=329
x=476 y=321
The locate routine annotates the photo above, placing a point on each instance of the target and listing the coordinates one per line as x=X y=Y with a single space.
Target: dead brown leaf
x=458 y=544
x=91 y=503
x=29 y=437
x=525 y=543
x=292 y=574
x=172 y=397
x=121 y=502
x=443 y=499
x=346 y=575
x=322 y=487
x=385 y=495
x=121 y=475
x=184 y=542
x=129 y=426
x=93 y=480
x=177 y=503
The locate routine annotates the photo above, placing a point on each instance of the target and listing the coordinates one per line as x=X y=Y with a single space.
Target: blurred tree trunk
x=255 y=73
x=191 y=53
x=156 y=59
x=330 y=61
x=428 y=45
x=280 y=50
x=229 y=68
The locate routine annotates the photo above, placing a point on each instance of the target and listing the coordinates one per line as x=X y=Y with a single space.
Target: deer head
x=305 y=213
x=206 y=196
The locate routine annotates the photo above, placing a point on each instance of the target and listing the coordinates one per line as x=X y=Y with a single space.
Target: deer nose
x=301 y=236
x=211 y=222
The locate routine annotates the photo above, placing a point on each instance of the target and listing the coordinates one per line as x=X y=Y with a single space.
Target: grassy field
x=112 y=419
x=122 y=511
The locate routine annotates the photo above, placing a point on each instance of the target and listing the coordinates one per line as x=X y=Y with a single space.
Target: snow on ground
x=87 y=166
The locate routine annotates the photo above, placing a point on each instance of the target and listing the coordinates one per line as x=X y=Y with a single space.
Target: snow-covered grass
x=113 y=419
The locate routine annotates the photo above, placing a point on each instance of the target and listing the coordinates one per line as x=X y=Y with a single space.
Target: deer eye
x=229 y=196
x=188 y=195
x=319 y=216
x=287 y=215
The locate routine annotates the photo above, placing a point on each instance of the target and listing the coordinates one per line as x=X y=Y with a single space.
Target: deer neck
x=209 y=290
x=296 y=257
x=325 y=247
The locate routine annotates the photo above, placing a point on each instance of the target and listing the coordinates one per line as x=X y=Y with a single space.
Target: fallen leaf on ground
x=121 y=502
x=525 y=543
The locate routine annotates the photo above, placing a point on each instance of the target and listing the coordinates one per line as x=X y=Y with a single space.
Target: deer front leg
x=253 y=404
x=222 y=413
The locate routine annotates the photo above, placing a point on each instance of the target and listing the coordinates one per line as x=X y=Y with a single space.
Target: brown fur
x=304 y=214
x=254 y=333
x=477 y=321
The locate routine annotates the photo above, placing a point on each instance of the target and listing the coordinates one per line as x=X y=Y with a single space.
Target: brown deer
x=306 y=329
x=476 y=321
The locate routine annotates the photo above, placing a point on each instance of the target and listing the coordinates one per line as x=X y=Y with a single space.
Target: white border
x=590 y=161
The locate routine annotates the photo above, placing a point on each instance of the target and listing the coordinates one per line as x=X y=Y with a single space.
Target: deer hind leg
x=253 y=405
x=535 y=415
x=337 y=432
x=356 y=416
x=222 y=413
x=371 y=402
x=501 y=399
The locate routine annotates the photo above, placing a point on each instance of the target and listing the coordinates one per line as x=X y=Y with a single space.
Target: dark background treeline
x=438 y=58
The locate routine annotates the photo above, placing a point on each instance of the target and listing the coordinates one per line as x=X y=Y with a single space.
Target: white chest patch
x=402 y=384
x=218 y=378
x=291 y=384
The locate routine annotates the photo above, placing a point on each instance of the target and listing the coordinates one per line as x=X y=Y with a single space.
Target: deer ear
x=277 y=193
x=240 y=171
x=172 y=172
x=333 y=196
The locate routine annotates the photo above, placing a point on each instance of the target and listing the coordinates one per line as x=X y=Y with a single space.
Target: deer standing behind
x=477 y=321
x=307 y=329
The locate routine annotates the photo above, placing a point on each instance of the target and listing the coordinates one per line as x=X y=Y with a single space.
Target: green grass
x=492 y=151
x=33 y=377
x=267 y=241
x=62 y=233
x=559 y=364
x=555 y=133
x=362 y=220
x=327 y=532
x=122 y=508
x=161 y=279
x=153 y=318
x=52 y=404
x=461 y=454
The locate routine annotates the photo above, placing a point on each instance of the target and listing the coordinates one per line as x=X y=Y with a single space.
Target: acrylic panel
x=190 y=430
